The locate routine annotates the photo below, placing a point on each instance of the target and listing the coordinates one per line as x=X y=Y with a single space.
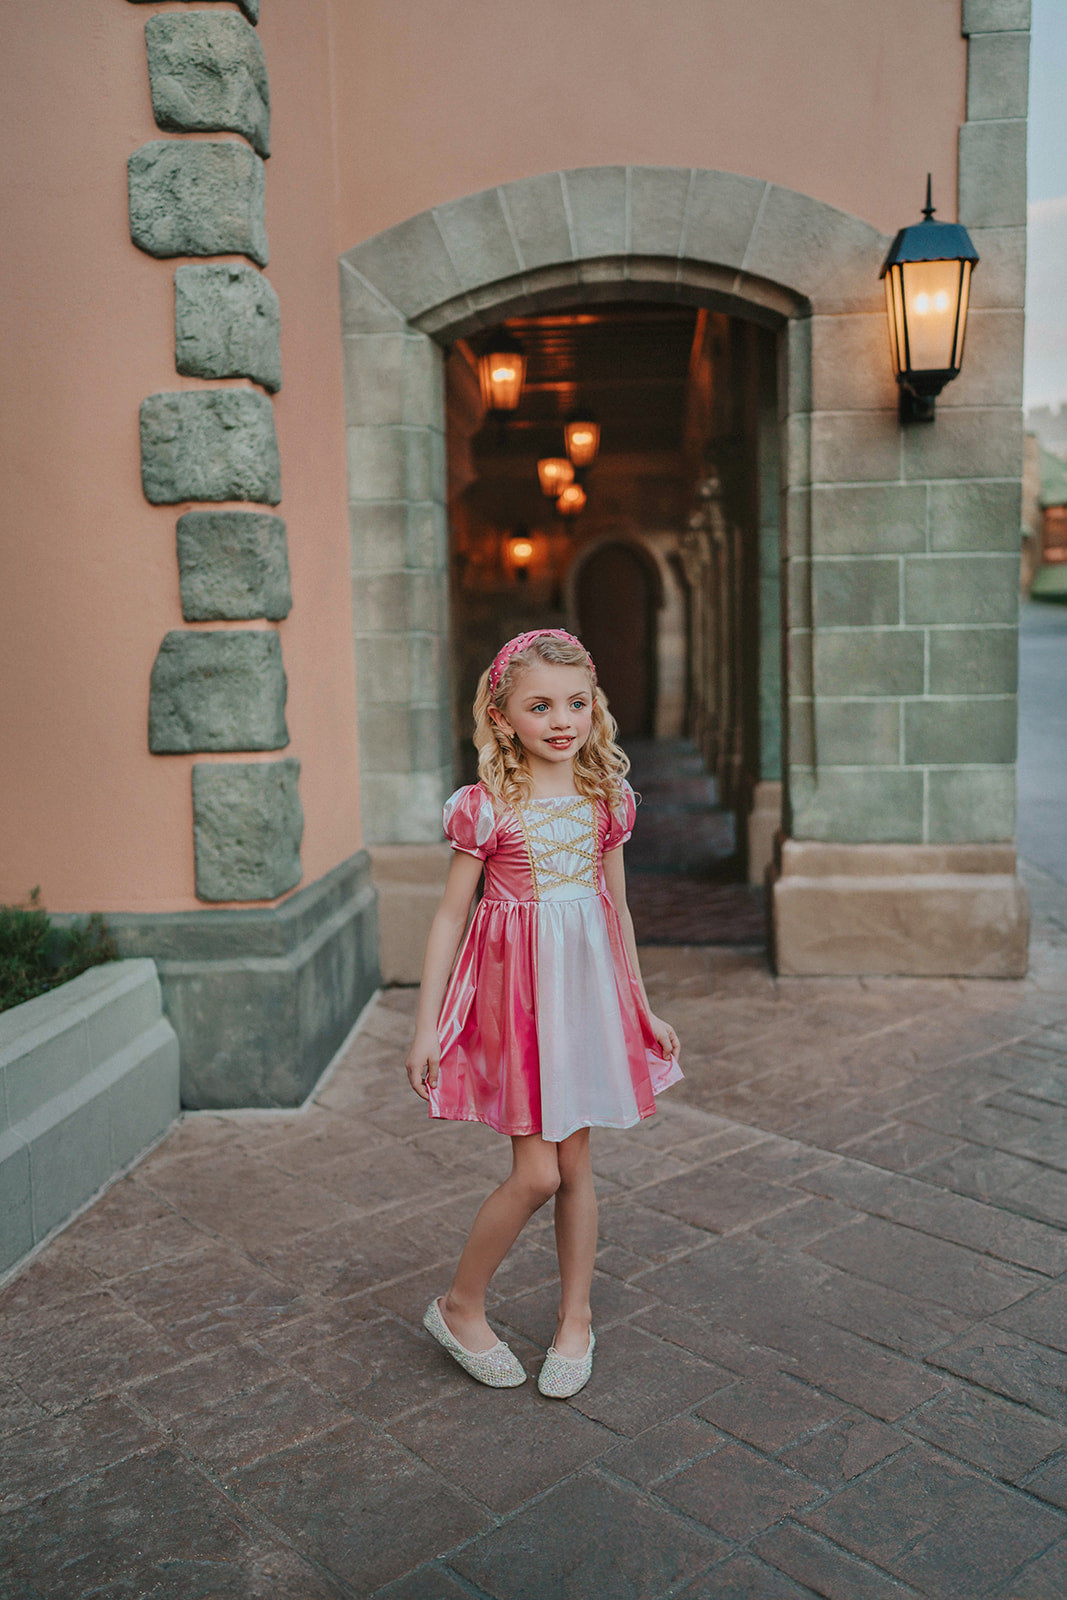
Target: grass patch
x=35 y=957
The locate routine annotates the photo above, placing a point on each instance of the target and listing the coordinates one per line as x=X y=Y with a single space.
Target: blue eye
x=540 y=706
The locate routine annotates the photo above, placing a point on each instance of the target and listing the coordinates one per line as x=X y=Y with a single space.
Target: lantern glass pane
x=501 y=374
x=555 y=472
x=961 y=326
x=583 y=441
x=571 y=500
x=931 y=302
x=894 y=306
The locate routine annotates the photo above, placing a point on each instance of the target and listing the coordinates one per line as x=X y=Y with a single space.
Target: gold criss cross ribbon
x=541 y=850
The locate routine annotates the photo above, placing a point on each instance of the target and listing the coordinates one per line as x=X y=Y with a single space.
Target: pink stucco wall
x=379 y=111
x=90 y=582
x=852 y=103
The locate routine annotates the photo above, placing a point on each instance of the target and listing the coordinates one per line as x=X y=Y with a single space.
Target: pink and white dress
x=543 y=1028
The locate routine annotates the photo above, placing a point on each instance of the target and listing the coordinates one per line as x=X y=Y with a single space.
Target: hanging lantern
x=927 y=285
x=582 y=436
x=501 y=371
x=571 y=500
x=555 y=473
x=520 y=554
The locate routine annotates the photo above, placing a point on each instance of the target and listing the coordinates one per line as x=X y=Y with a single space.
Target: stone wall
x=899 y=544
x=709 y=238
x=257 y=1033
x=904 y=541
x=215 y=691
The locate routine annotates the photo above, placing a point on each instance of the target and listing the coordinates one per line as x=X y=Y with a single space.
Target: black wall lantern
x=927 y=284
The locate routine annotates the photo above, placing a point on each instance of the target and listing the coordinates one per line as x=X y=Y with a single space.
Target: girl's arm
x=615 y=883
x=446 y=931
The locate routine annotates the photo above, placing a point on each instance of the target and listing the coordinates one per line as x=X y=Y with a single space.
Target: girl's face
x=550 y=710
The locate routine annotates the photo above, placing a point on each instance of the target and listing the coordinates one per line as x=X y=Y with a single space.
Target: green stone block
x=983 y=443
x=197 y=197
x=796 y=525
x=249 y=7
x=848 y=445
x=860 y=661
x=971 y=805
x=798 y=654
x=208 y=74
x=801 y=732
x=217 y=689
x=247 y=828
x=975 y=516
x=992 y=174
x=226 y=323
x=974 y=660
x=961 y=589
x=209 y=444
x=233 y=564
x=876 y=806
x=997 y=73
x=993 y=16
x=857 y=732
x=855 y=594
x=861 y=520
x=958 y=731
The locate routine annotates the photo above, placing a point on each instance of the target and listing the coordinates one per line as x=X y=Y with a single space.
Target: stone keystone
x=219 y=690
x=233 y=564
x=249 y=7
x=247 y=827
x=208 y=73
x=200 y=197
x=226 y=324
x=209 y=444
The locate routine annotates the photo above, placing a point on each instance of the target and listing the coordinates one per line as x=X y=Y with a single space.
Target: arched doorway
x=771 y=257
x=617 y=621
x=713 y=241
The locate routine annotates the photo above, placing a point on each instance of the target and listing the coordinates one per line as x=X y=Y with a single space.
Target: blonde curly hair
x=599 y=766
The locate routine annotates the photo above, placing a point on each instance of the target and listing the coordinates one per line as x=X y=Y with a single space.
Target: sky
x=1045 y=380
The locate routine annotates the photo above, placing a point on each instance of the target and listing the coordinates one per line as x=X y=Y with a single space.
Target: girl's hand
x=423 y=1063
x=666 y=1038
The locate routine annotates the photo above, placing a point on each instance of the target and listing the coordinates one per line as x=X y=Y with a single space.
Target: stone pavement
x=831 y=1303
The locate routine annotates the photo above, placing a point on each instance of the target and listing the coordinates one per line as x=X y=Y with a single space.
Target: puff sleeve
x=470 y=821
x=621 y=819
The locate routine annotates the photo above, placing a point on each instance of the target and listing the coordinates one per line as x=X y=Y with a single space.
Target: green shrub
x=35 y=957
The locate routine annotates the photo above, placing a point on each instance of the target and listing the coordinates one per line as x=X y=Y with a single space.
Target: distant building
x=1050 y=428
x=1048 y=579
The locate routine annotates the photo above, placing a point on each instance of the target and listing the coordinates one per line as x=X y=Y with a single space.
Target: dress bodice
x=545 y=849
x=561 y=845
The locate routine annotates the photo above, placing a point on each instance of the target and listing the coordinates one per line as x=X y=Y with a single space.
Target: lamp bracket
x=915 y=407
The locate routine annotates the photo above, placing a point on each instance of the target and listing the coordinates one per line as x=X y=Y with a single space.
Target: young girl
x=544 y=1028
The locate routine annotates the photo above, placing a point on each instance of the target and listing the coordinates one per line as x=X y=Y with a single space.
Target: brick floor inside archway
x=681 y=864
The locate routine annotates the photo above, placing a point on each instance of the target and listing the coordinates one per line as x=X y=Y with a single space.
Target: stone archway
x=717 y=239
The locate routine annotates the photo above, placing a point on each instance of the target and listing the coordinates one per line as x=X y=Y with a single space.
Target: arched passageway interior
x=670 y=572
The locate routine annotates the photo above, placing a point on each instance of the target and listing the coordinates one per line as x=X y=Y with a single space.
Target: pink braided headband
x=521 y=640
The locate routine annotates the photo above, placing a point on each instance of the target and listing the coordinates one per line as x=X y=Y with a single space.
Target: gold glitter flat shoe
x=562 y=1376
x=498 y=1367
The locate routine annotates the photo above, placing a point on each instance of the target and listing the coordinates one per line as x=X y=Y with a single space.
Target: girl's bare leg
x=576 y=1223
x=534 y=1177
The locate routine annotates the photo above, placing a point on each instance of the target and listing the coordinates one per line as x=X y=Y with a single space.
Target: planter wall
x=88 y=1079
